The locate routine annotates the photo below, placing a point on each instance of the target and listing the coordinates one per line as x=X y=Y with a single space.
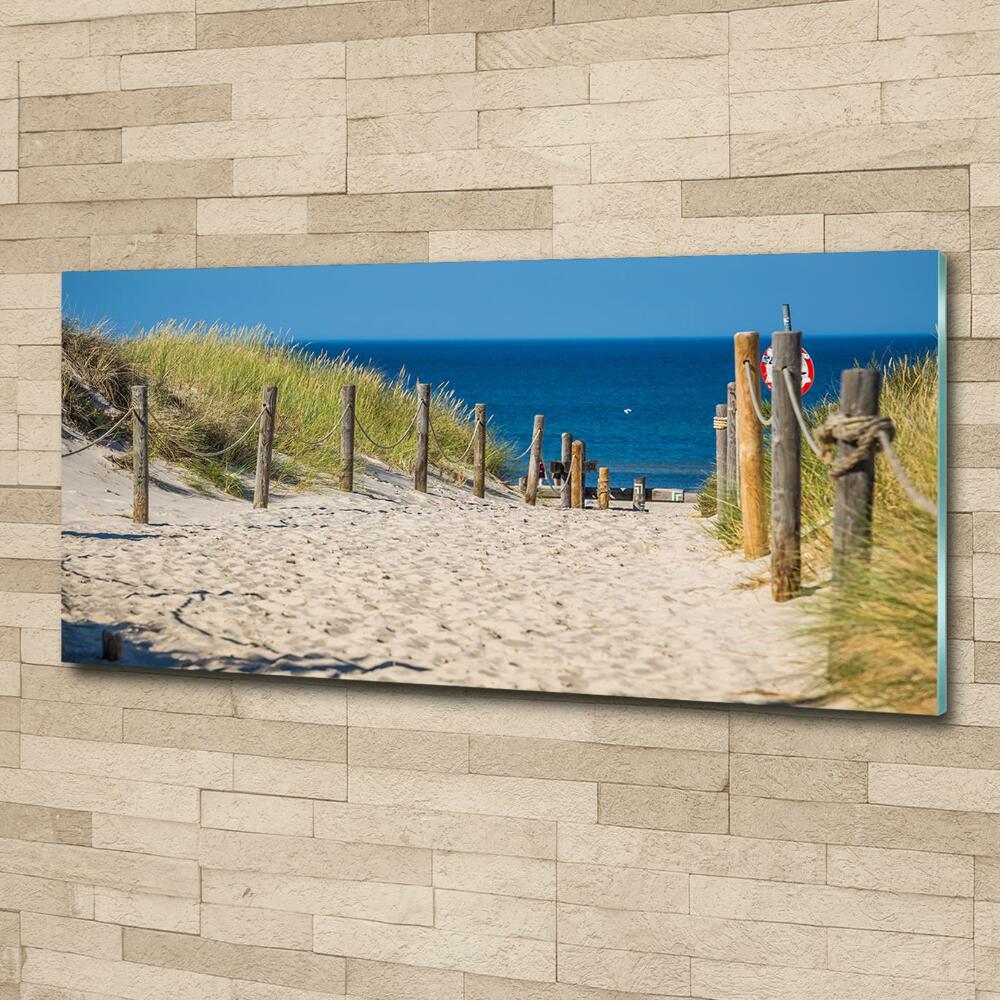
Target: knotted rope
x=867 y=434
x=863 y=432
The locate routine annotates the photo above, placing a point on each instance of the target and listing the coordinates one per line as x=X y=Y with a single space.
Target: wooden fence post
x=721 y=457
x=265 y=446
x=479 y=452
x=733 y=463
x=603 y=488
x=140 y=454
x=423 y=436
x=750 y=443
x=639 y=493
x=348 y=398
x=854 y=492
x=565 y=493
x=576 y=475
x=534 y=460
x=786 y=466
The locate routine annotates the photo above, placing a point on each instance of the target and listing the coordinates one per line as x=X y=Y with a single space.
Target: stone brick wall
x=233 y=839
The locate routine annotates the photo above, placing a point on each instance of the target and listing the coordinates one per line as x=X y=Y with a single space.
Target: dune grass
x=205 y=387
x=880 y=621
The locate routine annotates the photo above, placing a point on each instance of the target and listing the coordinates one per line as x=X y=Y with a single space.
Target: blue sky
x=859 y=293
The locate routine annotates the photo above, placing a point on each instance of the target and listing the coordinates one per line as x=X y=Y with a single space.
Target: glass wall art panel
x=711 y=479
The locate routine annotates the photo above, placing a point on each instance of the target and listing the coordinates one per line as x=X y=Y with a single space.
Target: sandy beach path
x=387 y=584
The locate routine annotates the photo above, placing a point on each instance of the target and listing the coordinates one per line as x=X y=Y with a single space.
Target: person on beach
x=558 y=471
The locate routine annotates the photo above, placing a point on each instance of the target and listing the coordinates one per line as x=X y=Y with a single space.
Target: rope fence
x=319 y=442
x=386 y=447
x=846 y=442
x=444 y=453
x=211 y=454
x=145 y=424
x=98 y=440
x=867 y=434
x=524 y=454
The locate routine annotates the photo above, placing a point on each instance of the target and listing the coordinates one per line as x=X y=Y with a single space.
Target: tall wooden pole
x=140 y=454
x=786 y=466
x=750 y=443
x=854 y=492
x=348 y=398
x=733 y=463
x=565 y=496
x=423 y=436
x=603 y=488
x=721 y=469
x=265 y=446
x=479 y=452
x=534 y=460
x=576 y=475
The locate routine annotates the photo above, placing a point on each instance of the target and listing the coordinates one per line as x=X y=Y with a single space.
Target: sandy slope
x=387 y=584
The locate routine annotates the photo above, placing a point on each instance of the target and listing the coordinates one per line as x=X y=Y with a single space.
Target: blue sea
x=643 y=406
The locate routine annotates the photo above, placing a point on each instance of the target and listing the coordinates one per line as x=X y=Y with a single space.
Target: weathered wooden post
x=140 y=454
x=479 y=452
x=603 y=488
x=423 y=436
x=576 y=475
x=348 y=397
x=265 y=446
x=786 y=466
x=639 y=493
x=733 y=463
x=565 y=492
x=854 y=491
x=534 y=460
x=751 y=445
x=583 y=472
x=721 y=469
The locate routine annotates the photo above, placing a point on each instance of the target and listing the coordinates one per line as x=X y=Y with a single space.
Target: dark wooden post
x=479 y=452
x=733 y=461
x=566 y=496
x=265 y=446
x=583 y=472
x=534 y=460
x=348 y=398
x=721 y=469
x=576 y=475
x=639 y=493
x=140 y=454
x=423 y=436
x=854 y=492
x=786 y=466
x=751 y=446
x=603 y=488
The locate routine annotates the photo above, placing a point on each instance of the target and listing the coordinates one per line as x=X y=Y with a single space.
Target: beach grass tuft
x=879 y=622
x=205 y=385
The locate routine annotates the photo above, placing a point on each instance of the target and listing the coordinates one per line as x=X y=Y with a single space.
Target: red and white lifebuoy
x=808 y=370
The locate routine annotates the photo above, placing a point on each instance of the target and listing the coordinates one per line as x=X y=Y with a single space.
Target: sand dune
x=387 y=584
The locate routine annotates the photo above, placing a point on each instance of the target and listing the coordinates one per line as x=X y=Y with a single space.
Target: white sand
x=388 y=584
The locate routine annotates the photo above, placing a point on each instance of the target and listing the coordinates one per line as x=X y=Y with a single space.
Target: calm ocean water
x=669 y=385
